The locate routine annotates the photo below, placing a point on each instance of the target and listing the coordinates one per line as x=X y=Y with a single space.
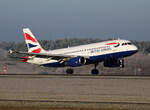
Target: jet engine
x=77 y=61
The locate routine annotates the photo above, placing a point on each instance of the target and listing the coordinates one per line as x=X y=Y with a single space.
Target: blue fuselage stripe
x=98 y=58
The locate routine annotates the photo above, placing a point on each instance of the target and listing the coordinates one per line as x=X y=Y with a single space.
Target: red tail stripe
x=37 y=50
x=28 y=37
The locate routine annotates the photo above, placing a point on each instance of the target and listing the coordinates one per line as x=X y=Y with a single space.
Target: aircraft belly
x=54 y=64
x=100 y=58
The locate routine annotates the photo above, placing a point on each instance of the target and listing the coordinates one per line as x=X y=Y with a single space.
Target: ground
x=37 y=91
x=85 y=92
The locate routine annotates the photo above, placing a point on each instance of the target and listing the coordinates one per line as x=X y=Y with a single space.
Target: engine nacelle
x=114 y=63
x=77 y=61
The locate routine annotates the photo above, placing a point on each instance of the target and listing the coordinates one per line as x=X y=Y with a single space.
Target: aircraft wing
x=47 y=55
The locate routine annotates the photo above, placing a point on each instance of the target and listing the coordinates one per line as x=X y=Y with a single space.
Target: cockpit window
x=127 y=43
x=124 y=44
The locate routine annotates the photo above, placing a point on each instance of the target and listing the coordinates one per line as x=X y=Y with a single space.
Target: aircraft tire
x=94 y=72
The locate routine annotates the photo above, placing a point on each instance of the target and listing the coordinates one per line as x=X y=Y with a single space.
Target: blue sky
x=57 y=19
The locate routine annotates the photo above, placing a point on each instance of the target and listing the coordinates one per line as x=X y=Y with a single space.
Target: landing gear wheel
x=69 y=71
x=95 y=71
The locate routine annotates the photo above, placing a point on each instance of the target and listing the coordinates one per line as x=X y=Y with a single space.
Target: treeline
x=143 y=46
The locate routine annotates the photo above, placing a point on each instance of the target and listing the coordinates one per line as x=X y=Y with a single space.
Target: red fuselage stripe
x=112 y=43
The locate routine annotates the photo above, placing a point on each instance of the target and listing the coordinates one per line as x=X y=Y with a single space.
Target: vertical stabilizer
x=32 y=44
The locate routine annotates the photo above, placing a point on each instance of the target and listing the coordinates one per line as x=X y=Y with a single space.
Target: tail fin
x=32 y=44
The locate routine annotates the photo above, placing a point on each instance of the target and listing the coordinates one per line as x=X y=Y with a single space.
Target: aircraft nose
x=135 y=48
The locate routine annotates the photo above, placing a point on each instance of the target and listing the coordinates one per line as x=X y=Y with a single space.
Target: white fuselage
x=90 y=50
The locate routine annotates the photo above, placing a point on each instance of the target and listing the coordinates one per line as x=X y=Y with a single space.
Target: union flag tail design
x=32 y=44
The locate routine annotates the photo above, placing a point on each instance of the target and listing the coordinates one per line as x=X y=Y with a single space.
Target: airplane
x=111 y=53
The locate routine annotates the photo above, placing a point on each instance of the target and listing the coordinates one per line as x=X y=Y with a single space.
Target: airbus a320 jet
x=111 y=53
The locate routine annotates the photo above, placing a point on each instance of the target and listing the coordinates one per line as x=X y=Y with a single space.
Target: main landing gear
x=95 y=71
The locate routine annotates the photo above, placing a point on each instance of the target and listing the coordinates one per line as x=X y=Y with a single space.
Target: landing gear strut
x=69 y=71
x=95 y=71
x=122 y=63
